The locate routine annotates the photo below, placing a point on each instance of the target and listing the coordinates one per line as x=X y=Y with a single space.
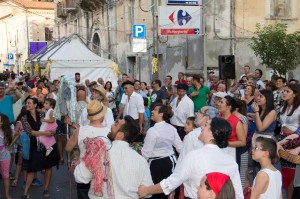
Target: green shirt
x=200 y=99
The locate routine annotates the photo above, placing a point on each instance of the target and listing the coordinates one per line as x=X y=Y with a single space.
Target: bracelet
x=256 y=111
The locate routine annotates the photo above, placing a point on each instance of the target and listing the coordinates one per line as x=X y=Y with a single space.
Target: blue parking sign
x=139 y=31
x=10 y=56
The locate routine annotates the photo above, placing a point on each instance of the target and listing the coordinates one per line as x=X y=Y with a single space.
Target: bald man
x=81 y=103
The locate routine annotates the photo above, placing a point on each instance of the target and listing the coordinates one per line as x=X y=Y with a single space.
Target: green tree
x=276 y=48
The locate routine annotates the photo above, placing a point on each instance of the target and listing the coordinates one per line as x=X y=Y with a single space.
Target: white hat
x=220 y=94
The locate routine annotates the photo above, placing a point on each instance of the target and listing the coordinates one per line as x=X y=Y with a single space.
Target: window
x=48 y=34
x=281 y=9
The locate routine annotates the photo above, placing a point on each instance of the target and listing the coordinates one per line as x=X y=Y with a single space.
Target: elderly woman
x=31 y=123
x=209 y=158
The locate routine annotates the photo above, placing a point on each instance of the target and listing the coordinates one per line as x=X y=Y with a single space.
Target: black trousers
x=83 y=191
x=180 y=131
x=161 y=169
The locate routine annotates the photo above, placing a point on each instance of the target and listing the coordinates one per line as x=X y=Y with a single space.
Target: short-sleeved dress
x=37 y=159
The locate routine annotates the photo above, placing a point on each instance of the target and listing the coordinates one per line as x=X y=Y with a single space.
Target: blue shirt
x=6 y=107
x=24 y=140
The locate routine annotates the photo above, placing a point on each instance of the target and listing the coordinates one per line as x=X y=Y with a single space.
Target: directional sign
x=179 y=20
x=182 y=2
x=10 y=56
x=139 y=31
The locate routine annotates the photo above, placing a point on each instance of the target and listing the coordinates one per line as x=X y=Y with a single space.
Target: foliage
x=276 y=48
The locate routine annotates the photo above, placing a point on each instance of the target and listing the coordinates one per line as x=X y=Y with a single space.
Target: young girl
x=267 y=183
x=5 y=140
x=189 y=124
x=48 y=124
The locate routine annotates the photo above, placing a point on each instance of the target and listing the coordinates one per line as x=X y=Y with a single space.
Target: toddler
x=48 y=124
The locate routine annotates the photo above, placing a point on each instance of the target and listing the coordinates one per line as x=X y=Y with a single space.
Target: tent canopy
x=70 y=55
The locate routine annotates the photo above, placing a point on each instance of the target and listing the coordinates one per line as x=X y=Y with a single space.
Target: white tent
x=71 y=56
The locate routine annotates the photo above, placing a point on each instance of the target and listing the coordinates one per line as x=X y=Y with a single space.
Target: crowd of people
x=189 y=138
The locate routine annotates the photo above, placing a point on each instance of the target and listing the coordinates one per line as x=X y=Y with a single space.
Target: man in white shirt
x=132 y=104
x=129 y=169
x=247 y=71
x=183 y=107
x=99 y=94
x=257 y=75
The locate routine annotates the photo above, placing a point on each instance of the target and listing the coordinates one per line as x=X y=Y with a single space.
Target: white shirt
x=133 y=106
x=274 y=187
x=209 y=158
x=260 y=84
x=91 y=132
x=129 y=171
x=160 y=140
x=184 y=110
x=191 y=142
x=108 y=118
x=290 y=122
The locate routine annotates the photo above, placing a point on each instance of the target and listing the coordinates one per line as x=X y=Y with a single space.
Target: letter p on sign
x=139 y=31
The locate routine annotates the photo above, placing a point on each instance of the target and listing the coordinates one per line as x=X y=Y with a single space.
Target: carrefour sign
x=182 y=2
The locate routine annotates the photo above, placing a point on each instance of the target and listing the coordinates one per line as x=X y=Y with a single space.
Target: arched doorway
x=96 y=44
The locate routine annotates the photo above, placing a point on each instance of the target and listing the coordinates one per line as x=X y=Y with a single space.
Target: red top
x=233 y=121
x=182 y=81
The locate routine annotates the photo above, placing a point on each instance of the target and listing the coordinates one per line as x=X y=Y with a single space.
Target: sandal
x=14 y=183
x=46 y=194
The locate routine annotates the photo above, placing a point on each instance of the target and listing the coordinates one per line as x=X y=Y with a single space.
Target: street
x=60 y=186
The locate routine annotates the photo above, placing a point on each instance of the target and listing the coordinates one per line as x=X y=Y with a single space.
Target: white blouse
x=160 y=140
x=290 y=122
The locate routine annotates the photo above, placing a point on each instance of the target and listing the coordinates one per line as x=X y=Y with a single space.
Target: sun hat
x=101 y=90
x=95 y=110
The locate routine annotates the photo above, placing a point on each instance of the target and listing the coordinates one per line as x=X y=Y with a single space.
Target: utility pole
x=155 y=33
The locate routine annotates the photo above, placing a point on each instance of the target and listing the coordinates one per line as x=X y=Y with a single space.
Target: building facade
x=227 y=27
x=22 y=22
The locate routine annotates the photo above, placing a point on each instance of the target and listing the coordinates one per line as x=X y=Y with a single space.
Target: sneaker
x=36 y=182
x=46 y=194
x=49 y=151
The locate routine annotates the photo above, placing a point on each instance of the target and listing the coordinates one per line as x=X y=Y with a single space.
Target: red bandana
x=216 y=181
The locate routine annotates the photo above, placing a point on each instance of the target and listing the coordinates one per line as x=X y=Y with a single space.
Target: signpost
x=182 y=2
x=139 y=42
x=178 y=20
x=10 y=58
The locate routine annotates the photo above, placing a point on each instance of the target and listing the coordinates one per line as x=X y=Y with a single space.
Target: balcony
x=91 y=5
x=71 y=6
x=60 y=10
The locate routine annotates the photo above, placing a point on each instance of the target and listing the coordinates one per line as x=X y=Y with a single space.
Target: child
x=267 y=183
x=48 y=124
x=5 y=140
x=189 y=124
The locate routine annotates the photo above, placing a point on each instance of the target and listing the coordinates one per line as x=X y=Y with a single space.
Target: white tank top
x=274 y=188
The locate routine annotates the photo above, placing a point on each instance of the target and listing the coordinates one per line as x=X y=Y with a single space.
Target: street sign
x=182 y=2
x=179 y=20
x=10 y=56
x=139 y=45
x=139 y=31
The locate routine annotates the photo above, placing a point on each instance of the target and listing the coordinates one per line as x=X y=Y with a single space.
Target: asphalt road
x=62 y=186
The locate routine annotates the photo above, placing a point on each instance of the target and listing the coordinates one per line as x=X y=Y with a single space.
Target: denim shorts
x=61 y=128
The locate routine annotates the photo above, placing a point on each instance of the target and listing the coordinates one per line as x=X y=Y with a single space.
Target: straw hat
x=101 y=90
x=95 y=110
